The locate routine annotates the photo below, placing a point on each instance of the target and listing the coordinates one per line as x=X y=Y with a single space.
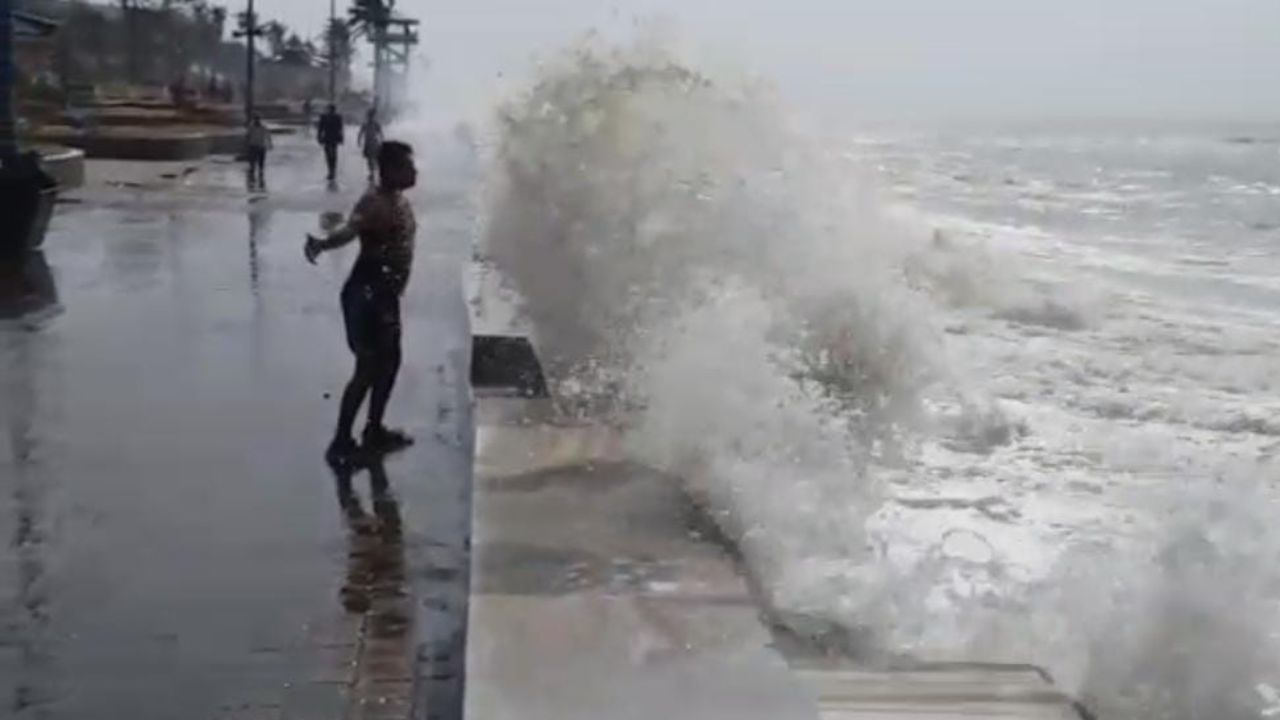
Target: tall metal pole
x=8 y=122
x=26 y=197
x=379 y=65
x=333 y=53
x=251 y=33
x=129 y=12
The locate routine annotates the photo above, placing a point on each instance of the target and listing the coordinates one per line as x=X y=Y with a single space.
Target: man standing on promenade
x=384 y=222
x=329 y=132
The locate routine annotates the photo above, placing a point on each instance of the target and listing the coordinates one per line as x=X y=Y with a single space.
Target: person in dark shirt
x=383 y=220
x=329 y=132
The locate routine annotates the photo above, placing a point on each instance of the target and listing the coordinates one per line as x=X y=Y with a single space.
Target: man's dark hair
x=393 y=152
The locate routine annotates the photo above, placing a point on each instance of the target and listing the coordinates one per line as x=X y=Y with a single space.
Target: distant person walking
x=329 y=132
x=258 y=141
x=369 y=140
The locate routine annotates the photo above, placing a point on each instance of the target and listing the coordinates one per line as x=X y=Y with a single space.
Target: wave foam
x=710 y=281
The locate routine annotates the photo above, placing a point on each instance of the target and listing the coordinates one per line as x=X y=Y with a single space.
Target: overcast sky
x=993 y=58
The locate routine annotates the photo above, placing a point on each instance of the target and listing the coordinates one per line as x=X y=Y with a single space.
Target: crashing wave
x=698 y=274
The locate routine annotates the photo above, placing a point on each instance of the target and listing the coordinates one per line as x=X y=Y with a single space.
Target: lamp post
x=249 y=30
x=26 y=192
x=333 y=53
x=129 y=14
x=8 y=131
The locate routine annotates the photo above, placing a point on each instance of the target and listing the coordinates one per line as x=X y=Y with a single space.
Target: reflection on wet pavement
x=27 y=294
x=376 y=592
x=28 y=290
x=259 y=224
x=32 y=663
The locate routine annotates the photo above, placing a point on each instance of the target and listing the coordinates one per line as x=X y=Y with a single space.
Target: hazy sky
x=995 y=58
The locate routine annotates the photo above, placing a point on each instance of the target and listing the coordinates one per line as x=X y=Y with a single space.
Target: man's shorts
x=371 y=311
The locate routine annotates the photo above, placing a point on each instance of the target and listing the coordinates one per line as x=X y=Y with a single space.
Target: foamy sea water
x=1115 y=295
x=980 y=395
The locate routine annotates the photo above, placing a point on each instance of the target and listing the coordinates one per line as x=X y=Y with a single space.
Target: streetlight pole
x=249 y=31
x=249 y=66
x=333 y=52
x=26 y=192
x=379 y=64
x=129 y=14
x=8 y=122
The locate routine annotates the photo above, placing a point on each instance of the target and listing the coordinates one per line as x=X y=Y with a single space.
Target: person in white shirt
x=369 y=140
x=258 y=140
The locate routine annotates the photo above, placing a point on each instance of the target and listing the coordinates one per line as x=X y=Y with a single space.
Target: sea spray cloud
x=1188 y=630
x=728 y=293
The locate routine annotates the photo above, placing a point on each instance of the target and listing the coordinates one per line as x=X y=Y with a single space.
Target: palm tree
x=275 y=33
x=84 y=42
x=218 y=22
x=372 y=17
x=154 y=32
x=215 y=29
x=180 y=20
x=208 y=26
x=339 y=51
x=199 y=30
x=129 y=23
x=368 y=15
x=296 y=52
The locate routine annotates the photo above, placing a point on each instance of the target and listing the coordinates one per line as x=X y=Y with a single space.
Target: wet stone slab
x=595 y=597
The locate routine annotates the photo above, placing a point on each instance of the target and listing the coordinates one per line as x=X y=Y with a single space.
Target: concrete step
x=594 y=597
x=937 y=692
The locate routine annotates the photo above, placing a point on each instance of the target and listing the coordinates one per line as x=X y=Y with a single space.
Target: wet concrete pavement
x=171 y=541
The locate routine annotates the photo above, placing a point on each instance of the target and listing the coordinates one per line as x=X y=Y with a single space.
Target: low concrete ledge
x=138 y=143
x=135 y=145
x=938 y=691
x=66 y=165
x=594 y=597
x=226 y=142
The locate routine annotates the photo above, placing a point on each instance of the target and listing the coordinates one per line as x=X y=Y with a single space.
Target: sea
x=1004 y=392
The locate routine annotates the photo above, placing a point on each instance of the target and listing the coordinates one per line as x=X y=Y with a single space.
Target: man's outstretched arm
x=332 y=241
x=353 y=228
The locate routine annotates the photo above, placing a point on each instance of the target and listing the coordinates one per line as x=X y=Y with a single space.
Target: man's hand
x=337 y=235
x=312 y=248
